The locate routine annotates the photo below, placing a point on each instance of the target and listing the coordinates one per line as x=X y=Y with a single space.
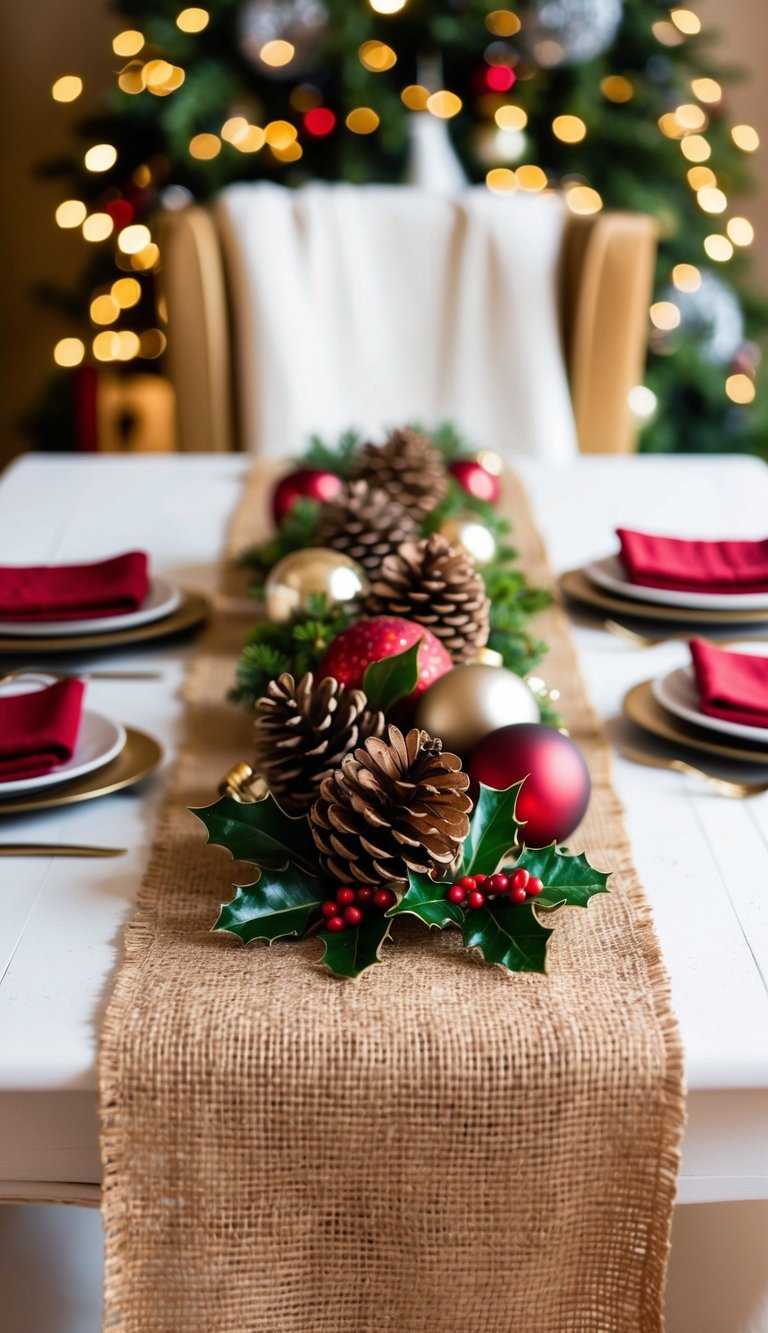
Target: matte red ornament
x=307 y=481
x=350 y=654
x=475 y=479
x=555 y=793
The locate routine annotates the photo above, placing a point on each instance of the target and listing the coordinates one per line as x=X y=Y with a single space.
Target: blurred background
x=634 y=105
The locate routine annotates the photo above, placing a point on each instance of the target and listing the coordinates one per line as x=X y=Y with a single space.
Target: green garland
x=299 y=644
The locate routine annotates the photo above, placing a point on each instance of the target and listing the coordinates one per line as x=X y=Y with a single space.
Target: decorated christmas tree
x=618 y=103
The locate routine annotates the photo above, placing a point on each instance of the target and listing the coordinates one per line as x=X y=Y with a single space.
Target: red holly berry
x=345 y=896
x=330 y=909
x=534 y=887
x=517 y=895
x=520 y=879
x=335 y=923
x=480 y=880
x=476 y=899
x=383 y=898
x=363 y=895
x=456 y=894
x=353 y=916
x=498 y=884
x=469 y=882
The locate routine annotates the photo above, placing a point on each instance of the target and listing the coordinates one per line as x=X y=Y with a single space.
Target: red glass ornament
x=475 y=479
x=307 y=481
x=319 y=121
x=555 y=793
x=355 y=649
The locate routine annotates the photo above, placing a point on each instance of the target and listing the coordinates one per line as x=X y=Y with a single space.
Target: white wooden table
x=702 y=859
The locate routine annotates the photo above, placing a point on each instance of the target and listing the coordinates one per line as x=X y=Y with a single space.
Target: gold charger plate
x=641 y=707
x=192 y=610
x=575 y=584
x=138 y=757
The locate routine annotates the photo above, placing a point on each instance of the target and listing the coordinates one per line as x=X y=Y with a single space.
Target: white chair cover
x=379 y=305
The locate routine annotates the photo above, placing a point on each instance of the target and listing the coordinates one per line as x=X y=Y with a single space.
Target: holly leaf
x=350 y=952
x=509 y=934
x=492 y=830
x=260 y=832
x=393 y=678
x=273 y=907
x=426 y=900
x=568 y=880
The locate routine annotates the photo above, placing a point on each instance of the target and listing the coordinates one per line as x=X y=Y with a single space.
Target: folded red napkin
x=38 y=730
x=694 y=566
x=74 y=592
x=733 y=686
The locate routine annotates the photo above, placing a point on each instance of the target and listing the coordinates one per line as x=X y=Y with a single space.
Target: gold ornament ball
x=468 y=703
x=304 y=574
x=466 y=533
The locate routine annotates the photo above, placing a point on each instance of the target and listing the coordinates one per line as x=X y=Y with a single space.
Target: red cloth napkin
x=74 y=592
x=733 y=686
x=39 y=730
x=694 y=566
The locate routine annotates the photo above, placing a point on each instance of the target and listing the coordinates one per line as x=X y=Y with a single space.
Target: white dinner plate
x=161 y=600
x=609 y=573
x=677 y=692
x=99 y=741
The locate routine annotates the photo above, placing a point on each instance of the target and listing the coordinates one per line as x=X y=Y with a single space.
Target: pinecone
x=365 y=524
x=408 y=467
x=303 y=732
x=437 y=586
x=395 y=804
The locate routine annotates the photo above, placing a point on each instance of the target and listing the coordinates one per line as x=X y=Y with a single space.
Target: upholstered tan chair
x=605 y=282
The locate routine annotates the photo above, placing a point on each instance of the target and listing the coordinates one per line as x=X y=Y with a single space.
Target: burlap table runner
x=437 y=1146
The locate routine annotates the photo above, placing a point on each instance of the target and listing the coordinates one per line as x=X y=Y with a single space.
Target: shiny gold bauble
x=468 y=703
x=467 y=533
x=309 y=573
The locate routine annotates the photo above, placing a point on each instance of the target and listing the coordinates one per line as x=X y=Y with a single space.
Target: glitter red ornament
x=307 y=481
x=355 y=649
x=476 y=480
x=555 y=793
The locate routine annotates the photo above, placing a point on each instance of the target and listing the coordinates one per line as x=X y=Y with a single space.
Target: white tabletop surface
x=703 y=859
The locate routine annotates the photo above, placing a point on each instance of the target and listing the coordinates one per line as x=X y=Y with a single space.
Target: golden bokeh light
x=104 y=310
x=502 y=23
x=126 y=291
x=152 y=343
x=205 y=146
x=711 y=200
x=387 y=6
x=280 y=134
x=569 y=129
x=250 y=142
x=509 y=117
x=193 y=19
x=127 y=345
x=377 y=56
x=583 y=200
x=134 y=238
x=665 y=316
x=71 y=213
x=670 y=125
x=69 y=352
x=695 y=148
x=700 y=177
x=142 y=176
x=686 y=21
x=100 y=157
x=234 y=129
x=97 y=227
x=128 y=43
x=740 y=389
x=277 y=53
x=718 y=248
x=667 y=33
x=707 y=90
x=146 y=259
x=746 y=138
x=131 y=79
x=67 y=88
x=531 y=178
x=444 y=104
x=363 y=120
x=415 y=96
x=501 y=180
x=686 y=277
x=106 y=345
x=691 y=116
x=740 y=231
x=616 y=88
x=290 y=153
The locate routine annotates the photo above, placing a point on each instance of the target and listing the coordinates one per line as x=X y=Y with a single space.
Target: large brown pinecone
x=395 y=804
x=408 y=468
x=439 y=587
x=303 y=731
x=365 y=524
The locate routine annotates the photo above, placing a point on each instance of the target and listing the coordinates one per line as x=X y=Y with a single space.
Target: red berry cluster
x=348 y=908
x=473 y=890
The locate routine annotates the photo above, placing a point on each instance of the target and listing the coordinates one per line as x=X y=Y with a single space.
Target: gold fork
x=35 y=673
x=737 y=791
x=636 y=640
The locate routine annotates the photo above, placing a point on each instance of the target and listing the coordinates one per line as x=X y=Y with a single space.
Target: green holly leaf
x=350 y=952
x=568 y=880
x=509 y=934
x=426 y=900
x=273 y=907
x=259 y=832
x=392 y=678
x=492 y=830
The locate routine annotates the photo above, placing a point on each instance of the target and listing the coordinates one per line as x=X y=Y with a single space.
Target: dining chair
x=601 y=289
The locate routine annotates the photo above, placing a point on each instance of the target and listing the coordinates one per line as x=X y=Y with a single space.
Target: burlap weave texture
x=438 y=1146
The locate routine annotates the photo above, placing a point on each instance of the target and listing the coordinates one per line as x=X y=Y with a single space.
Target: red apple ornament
x=555 y=793
x=475 y=479
x=355 y=649
x=307 y=481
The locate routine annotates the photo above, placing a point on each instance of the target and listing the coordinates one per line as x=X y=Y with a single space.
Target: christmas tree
x=615 y=102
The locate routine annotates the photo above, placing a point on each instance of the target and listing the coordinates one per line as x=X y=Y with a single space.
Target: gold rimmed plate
x=576 y=585
x=642 y=708
x=192 y=610
x=140 y=755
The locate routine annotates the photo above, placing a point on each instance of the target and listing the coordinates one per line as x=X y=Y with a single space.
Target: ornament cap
x=242 y=784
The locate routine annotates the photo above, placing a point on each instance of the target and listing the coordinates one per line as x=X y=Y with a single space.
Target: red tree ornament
x=475 y=479
x=307 y=481
x=555 y=793
x=355 y=649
